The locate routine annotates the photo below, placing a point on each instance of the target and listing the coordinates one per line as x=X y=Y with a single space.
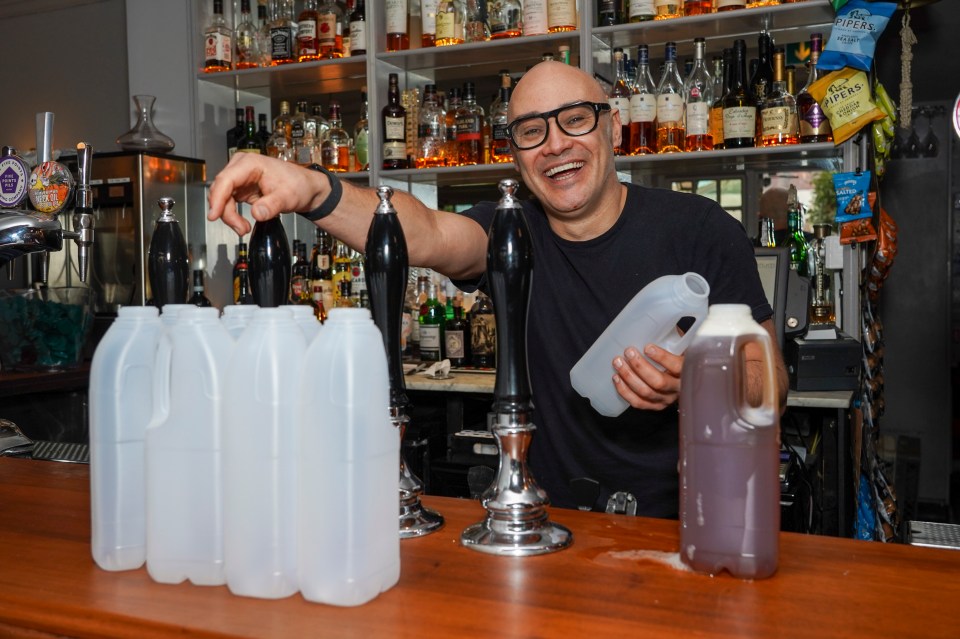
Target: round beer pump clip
x=51 y=183
x=14 y=176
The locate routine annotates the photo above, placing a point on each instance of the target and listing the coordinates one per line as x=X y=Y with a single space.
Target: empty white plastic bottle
x=183 y=456
x=306 y=320
x=349 y=541
x=651 y=317
x=729 y=450
x=121 y=403
x=236 y=317
x=170 y=312
x=260 y=457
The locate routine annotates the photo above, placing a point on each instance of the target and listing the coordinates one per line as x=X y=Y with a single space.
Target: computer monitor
x=773 y=265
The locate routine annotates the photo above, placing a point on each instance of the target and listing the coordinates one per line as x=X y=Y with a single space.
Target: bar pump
x=386 y=265
x=517 y=522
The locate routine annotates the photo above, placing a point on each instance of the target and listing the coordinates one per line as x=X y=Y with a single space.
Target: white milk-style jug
x=236 y=317
x=306 y=320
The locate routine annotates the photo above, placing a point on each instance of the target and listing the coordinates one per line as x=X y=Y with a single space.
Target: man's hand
x=269 y=185
x=642 y=384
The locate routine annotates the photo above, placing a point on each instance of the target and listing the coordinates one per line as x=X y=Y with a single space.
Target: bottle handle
x=676 y=343
x=765 y=414
x=161 y=381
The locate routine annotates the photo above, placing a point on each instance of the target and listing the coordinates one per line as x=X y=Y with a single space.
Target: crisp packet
x=854 y=216
x=856 y=29
x=844 y=96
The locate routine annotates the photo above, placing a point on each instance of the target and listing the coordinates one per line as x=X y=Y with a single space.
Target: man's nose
x=556 y=140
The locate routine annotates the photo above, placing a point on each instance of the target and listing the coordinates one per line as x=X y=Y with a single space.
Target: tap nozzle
x=83 y=220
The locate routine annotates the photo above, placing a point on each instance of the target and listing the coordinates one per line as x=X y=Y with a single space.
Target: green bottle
x=796 y=241
x=432 y=319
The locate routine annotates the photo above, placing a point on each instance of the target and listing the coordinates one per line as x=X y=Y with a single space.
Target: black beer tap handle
x=509 y=272
x=387 y=265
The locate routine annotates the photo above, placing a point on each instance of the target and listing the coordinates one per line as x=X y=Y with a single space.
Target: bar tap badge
x=51 y=183
x=14 y=174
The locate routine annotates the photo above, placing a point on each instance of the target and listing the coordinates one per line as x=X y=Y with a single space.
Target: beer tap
x=386 y=265
x=83 y=220
x=517 y=523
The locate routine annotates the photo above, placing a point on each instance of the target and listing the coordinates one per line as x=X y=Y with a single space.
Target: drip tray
x=933 y=534
x=63 y=452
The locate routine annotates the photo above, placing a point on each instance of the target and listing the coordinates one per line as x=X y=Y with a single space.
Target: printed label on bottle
x=428 y=16
x=535 y=17
x=739 y=122
x=813 y=121
x=622 y=104
x=447 y=26
x=561 y=13
x=218 y=47
x=483 y=334
x=328 y=27
x=642 y=9
x=723 y=4
x=396 y=16
x=430 y=340
x=643 y=107
x=698 y=118
x=281 y=43
x=669 y=108
x=358 y=36
x=394 y=151
x=394 y=128
x=778 y=120
x=360 y=148
x=307 y=29
x=468 y=127
x=453 y=340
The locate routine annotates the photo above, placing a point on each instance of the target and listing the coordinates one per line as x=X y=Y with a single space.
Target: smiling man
x=597 y=242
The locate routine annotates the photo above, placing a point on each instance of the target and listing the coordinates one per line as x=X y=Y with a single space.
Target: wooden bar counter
x=615 y=581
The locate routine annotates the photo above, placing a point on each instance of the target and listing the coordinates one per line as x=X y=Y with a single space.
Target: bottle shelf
x=793 y=21
x=454 y=175
x=824 y=155
x=336 y=75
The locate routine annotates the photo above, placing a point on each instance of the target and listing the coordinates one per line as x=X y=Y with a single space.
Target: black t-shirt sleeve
x=482 y=213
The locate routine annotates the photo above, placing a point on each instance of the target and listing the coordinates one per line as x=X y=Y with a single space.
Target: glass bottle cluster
x=612 y=12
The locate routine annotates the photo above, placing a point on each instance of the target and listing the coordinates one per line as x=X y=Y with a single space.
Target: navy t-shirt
x=577 y=289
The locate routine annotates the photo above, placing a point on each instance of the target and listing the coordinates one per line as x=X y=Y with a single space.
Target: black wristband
x=328 y=205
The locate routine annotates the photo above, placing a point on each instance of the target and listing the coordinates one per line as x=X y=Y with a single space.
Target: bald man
x=597 y=242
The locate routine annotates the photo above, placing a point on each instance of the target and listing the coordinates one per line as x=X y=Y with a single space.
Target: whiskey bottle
x=283 y=34
x=321 y=266
x=483 y=333
x=241 y=277
x=198 y=298
x=358 y=28
x=667 y=9
x=456 y=335
x=300 y=275
x=470 y=121
x=393 y=123
x=217 y=42
x=330 y=30
x=264 y=43
x=561 y=16
x=608 y=13
x=428 y=22
x=697 y=7
x=500 y=150
x=698 y=98
x=641 y=10
x=643 y=107
x=335 y=148
x=739 y=104
x=319 y=309
x=361 y=134
x=814 y=125
x=721 y=73
x=475 y=26
x=730 y=5
x=450 y=23
x=670 y=126
x=778 y=117
x=245 y=35
x=342 y=270
x=432 y=321
x=454 y=101
x=505 y=18
x=431 y=131
x=398 y=35
x=535 y=20
x=308 y=32
x=619 y=100
x=302 y=151
x=234 y=134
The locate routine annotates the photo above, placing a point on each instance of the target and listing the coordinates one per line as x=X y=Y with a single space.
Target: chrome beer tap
x=517 y=522
x=83 y=219
x=386 y=265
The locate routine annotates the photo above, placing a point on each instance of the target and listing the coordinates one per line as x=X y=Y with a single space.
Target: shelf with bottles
x=793 y=20
x=454 y=175
x=822 y=155
x=338 y=74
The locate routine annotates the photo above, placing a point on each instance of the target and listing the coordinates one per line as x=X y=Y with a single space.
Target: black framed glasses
x=574 y=120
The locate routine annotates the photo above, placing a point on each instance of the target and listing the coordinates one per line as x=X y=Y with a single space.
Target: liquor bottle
x=454 y=101
x=217 y=42
x=246 y=42
x=814 y=125
x=428 y=22
x=721 y=72
x=470 y=121
x=730 y=5
x=752 y=4
x=319 y=309
x=667 y=9
x=475 y=27
x=670 y=128
x=608 y=12
x=344 y=297
x=284 y=119
x=739 y=104
x=234 y=134
x=269 y=263
x=561 y=16
x=198 y=298
x=431 y=131
x=335 y=148
x=321 y=266
x=796 y=241
x=697 y=7
x=766 y=238
x=308 y=32
x=698 y=97
x=361 y=133
x=263 y=132
x=278 y=145
x=358 y=281
x=641 y=10
x=330 y=30
x=450 y=23
x=317 y=123
x=250 y=142
x=283 y=34
x=393 y=123
x=505 y=19
x=500 y=150
x=358 y=28
x=778 y=117
x=264 y=42
x=643 y=107
x=347 y=6
x=398 y=35
x=342 y=269
x=535 y=17
x=431 y=326
x=456 y=335
x=302 y=152
x=761 y=80
x=483 y=333
x=619 y=100
x=300 y=274
x=241 y=277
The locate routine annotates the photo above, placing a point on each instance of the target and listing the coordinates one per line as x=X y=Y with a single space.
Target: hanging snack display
x=854 y=216
x=844 y=96
x=884 y=131
x=856 y=29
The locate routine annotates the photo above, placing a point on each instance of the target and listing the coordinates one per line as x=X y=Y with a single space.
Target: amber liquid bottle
x=643 y=107
x=470 y=121
x=739 y=104
x=308 y=32
x=778 y=117
x=398 y=33
x=671 y=133
x=241 y=277
x=393 y=123
x=814 y=125
x=619 y=100
x=217 y=42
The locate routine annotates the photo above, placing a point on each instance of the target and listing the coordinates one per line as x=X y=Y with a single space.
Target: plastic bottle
x=651 y=317
x=260 y=456
x=729 y=451
x=306 y=319
x=236 y=317
x=183 y=469
x=349 y=543
x=121 y=401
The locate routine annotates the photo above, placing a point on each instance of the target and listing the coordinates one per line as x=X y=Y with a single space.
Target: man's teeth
x=569 y=166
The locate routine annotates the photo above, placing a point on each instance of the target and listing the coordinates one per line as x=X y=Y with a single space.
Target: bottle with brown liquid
x=217 y=42
x=619 y=100
x=671 y=132
x=470 y=121
x=393 y=124
x=643 y=107
x=308 y=32
x=398 y=34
